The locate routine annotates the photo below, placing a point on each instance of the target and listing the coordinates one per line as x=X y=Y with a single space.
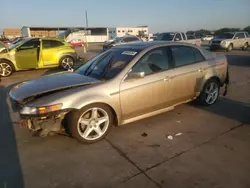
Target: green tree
x=141 y=33
x=225 y=29
x=247 y=29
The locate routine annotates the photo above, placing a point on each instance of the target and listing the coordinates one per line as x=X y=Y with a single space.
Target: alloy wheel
x=5 y=69
x=67 y=63
x=93 y=123
x=212 y=92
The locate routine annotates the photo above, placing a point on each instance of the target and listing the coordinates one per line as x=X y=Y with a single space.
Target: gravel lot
x=211 y=151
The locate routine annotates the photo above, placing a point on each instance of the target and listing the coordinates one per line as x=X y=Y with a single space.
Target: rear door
x=27 y=55
x=189 y=66
x=49 y=52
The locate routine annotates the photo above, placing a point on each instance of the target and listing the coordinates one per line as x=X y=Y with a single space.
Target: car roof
x=144 y=45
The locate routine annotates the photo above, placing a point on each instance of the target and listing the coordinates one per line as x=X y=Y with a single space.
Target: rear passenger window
x=198 y=56
x=240 y=35
x=185 y=55
x=153 y=62
x=51 y=43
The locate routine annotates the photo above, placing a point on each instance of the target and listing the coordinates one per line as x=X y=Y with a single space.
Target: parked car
x=36 y=53
x=177 y=37
x=231 y=40
x=77 y=42
x=121 y=85
x=2 y=46
x=207 y=38
x=5 y=41
x=121 y=40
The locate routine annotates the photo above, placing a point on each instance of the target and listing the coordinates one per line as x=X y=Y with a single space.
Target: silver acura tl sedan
x=119 y=86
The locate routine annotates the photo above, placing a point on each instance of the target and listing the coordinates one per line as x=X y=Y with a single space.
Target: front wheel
x=6 y=68
x=67 y=63
x=209 y=93
x=91 y=123
x=230 y=48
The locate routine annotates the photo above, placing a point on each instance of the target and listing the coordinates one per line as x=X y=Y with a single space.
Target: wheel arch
x=114 y=112
x=13 y=65
x=210 y=78
x=70 y=54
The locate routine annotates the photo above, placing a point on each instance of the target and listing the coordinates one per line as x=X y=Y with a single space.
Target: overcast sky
x=159 y=15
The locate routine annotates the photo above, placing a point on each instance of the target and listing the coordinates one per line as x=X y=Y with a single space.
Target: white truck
x=177 y=37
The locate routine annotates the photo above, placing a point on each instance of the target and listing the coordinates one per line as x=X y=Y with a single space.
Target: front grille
x=216 y=42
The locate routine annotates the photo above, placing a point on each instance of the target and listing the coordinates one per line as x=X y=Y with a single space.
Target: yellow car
x=36 y=53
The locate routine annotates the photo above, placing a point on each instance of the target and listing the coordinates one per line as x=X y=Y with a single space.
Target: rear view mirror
x=136 y=75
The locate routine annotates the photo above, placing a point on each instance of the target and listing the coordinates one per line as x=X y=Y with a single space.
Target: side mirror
x=236 y=38
x=17 y=49
x=177 y=39
x=136 y=75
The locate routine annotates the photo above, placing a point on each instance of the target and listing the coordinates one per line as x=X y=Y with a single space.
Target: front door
x=189 y=72
x=151 y=93
x=49 y=52
x=27 y=55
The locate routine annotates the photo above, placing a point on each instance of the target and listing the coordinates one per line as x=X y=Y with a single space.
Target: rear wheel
x=245 y=46
x=209 y=93
x=91 y=123
x=67 y=63
x=6 y=68
x=230 y=48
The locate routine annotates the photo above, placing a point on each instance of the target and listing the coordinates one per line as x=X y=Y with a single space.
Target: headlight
x=223 y=42
x=40 y=110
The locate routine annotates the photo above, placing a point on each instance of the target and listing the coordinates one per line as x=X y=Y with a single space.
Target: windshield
x=117 y=39
x=12 y=46
x=108 y=64
x=2 y=45
x=166 y=36
x=225 y=36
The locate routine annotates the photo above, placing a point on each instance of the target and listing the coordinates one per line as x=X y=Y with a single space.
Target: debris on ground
x=178 y=121
x=170 y=137
x=154 y=146
x=144 y=134
x=178 y=134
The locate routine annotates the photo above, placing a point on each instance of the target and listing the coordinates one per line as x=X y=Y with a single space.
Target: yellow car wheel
x=67 y=62
x=6 y=68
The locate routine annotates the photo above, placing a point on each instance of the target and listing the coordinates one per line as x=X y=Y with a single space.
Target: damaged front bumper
x=46 y=124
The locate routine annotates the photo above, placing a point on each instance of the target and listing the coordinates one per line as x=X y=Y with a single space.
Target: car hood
x=50 y=83
x=220 y=39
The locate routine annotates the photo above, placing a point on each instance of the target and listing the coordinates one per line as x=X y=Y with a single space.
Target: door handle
x=167 y=79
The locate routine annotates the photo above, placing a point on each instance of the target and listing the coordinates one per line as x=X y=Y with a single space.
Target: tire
x=245 y=46
x=87 y=133
x=67 y=62
x=230 y=48
x=6 y=68
x=203 y=97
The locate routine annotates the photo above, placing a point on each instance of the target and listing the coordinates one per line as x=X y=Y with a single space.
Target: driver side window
x=31 y=44
x=153 y=62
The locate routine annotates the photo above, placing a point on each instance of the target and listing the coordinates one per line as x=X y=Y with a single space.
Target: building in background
x=11 y=33
x=122 y=31
x=39 y=31
x=90 y=34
